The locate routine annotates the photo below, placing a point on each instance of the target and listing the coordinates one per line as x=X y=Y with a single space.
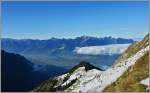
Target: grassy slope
x=133 y=49
x=129 y=81
x=46 y=86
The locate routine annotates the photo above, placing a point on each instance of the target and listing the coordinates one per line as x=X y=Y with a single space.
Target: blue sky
x=43 y=20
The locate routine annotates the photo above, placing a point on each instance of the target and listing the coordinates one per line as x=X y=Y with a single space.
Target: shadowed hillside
x=19 y=74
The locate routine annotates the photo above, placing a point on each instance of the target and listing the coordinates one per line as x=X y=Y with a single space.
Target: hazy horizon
x=68 y=38
x=44 y=20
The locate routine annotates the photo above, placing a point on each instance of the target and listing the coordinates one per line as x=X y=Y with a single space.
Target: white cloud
x=105 y=49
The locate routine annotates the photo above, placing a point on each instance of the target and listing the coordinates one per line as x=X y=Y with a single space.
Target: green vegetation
x=129 y=81
x=71 y=83
x=47 y=86
x=66 y=78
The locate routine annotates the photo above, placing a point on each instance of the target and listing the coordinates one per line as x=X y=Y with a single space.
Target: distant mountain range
x=61 y=52
x=19 y=74
x=56 y=46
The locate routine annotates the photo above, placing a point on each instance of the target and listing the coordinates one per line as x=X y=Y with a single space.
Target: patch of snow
x=95 y=80
x=62 y=76
x=60 y=79
x=62 y=47
x=86 y=80
x=145 y=82
x=85 y=38
x=105 y=49
x=77 y=73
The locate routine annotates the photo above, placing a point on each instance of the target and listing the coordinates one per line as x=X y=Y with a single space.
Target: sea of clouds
x=102 y=50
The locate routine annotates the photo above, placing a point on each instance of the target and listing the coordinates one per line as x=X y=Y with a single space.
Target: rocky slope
x=128 y=73
x=80 y=74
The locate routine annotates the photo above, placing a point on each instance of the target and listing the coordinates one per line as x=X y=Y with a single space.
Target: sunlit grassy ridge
x=129 y=81
x=134 y=48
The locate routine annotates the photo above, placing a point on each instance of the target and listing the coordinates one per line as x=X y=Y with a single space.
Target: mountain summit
x=82 y=72
x=87 y=66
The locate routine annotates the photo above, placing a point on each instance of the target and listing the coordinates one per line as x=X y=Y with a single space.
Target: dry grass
x=129 y=81
x=133 y=49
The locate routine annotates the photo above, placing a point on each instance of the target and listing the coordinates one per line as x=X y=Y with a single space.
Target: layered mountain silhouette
x=61 y=52
x=55 y=46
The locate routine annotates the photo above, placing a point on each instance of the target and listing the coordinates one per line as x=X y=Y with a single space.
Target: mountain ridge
x=25 y=46
x=82 y=36
x=135 y=73
x=95 y=80
x=61 y=82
